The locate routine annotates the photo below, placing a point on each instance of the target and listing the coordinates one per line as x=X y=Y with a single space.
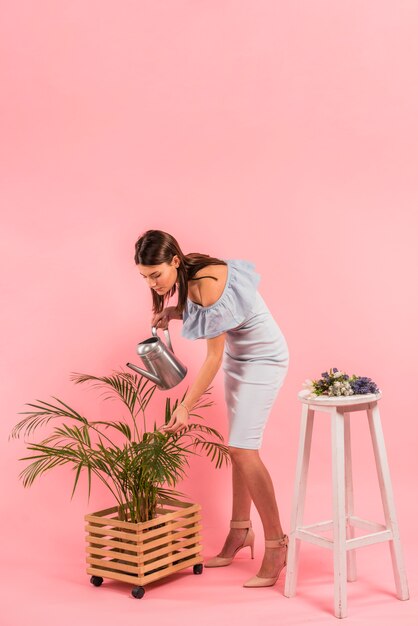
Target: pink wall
x=280 y=132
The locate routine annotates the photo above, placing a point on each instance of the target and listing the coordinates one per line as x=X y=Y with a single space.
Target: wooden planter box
x=144 y=552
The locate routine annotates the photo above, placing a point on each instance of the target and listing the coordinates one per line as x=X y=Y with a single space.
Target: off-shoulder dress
x=256 y=354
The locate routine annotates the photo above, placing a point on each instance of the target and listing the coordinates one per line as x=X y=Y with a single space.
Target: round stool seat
x=307 y=397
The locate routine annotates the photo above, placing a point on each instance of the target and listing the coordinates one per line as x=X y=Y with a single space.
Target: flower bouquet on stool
x=335 y=383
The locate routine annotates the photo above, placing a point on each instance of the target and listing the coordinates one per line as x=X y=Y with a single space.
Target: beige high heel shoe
x=221 y=561
x=257 y=581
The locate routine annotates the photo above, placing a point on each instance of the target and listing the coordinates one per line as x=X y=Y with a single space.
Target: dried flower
x=338 y=383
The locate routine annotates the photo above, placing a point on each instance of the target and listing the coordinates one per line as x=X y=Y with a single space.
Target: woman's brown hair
x=154 y=247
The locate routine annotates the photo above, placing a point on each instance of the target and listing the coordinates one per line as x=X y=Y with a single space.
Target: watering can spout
x=142 y=372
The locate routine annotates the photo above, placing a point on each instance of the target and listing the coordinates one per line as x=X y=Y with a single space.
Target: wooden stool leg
x=299 y=493
x=349 y=499
x=388 y=502
x=339 y=520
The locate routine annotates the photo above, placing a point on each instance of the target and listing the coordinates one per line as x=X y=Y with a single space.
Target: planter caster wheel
x=198 y=568
x=138 y=592
x=96 y=580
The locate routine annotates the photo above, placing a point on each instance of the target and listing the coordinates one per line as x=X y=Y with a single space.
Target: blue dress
x=256 y=355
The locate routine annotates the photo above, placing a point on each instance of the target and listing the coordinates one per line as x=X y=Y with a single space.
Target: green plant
x=136 y=469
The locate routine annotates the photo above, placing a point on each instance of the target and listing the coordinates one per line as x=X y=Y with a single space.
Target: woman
x=218 y=301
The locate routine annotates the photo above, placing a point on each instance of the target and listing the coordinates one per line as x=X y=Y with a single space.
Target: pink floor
x=39 y=592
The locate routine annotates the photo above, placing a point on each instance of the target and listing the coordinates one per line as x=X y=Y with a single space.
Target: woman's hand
x=179 y=420
x=161 y=320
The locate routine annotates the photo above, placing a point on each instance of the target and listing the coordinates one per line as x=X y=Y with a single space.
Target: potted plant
x=150 y=531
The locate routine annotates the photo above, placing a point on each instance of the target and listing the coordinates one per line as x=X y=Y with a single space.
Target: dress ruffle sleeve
x=230 y=310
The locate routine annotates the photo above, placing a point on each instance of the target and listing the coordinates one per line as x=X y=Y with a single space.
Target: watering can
x=162 y=366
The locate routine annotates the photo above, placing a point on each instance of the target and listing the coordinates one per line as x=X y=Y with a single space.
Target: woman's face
x=160 y=277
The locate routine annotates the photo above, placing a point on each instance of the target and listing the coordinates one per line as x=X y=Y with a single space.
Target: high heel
x=257 y=581
x=221 y=561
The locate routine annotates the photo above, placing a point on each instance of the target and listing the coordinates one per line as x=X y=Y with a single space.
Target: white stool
x=343 y=521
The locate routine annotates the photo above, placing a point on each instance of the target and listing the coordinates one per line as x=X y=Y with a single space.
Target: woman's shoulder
x=208 y=284
x=234 y=300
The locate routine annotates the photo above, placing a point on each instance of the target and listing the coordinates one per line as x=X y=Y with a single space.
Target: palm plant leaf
x=46 y=412
x=122 y=427
x=126 y=386
x=202 y=428
x=145 y=467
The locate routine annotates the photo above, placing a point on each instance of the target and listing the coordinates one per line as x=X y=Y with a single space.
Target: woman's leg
x=241 y=506
x=259 y=486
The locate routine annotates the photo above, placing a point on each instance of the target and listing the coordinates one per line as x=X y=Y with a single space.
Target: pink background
x=280 y=132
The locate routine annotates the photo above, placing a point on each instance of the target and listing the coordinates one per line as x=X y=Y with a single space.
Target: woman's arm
x=209 y=294
x=162 y=319
x=207 y=372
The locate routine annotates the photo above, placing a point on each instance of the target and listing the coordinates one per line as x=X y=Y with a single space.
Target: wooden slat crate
x=144 y=552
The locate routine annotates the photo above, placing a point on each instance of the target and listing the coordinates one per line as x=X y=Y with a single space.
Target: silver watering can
x=162 y=367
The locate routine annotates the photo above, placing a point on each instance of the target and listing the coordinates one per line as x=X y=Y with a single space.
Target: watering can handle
x=167 y=336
